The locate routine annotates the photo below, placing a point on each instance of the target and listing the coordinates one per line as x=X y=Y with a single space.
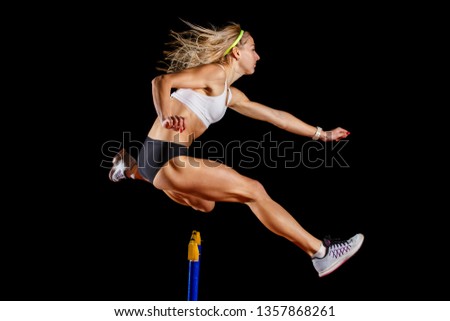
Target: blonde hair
x=199 y=45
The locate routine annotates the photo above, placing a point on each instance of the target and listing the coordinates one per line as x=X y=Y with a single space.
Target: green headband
x=234 y=43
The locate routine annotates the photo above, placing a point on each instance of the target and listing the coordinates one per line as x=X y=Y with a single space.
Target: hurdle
x=194 y=252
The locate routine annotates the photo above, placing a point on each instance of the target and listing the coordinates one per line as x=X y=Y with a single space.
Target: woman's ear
x=236 y=53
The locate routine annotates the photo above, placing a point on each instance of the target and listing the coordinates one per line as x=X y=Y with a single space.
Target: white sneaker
x=338 y=251
x=121 y=162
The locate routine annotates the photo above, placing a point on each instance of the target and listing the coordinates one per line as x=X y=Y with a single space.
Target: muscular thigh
x=195 y=202
x=206 y=179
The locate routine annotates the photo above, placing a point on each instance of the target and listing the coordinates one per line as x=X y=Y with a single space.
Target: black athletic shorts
x=155 y=153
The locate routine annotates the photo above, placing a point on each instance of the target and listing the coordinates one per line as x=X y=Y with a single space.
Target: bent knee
x=203 y=206
x=257 y=191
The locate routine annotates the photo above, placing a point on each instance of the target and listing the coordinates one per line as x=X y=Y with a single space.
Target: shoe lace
x=337 y=247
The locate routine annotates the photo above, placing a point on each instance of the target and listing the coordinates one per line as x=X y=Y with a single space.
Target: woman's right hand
x=175 y=122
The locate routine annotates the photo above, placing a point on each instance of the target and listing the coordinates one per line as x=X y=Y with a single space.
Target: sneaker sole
x=338 y=264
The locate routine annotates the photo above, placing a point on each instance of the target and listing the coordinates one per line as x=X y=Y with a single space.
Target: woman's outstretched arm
x=282 y=119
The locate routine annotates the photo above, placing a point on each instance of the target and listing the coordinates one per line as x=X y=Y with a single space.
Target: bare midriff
x=194 y=127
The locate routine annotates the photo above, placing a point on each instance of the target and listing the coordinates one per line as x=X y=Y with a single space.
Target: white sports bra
x=210 y=109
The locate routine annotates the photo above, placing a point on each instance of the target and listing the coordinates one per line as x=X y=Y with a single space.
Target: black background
x=78 y=236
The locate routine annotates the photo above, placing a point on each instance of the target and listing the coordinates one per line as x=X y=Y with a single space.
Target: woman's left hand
x=336 y=134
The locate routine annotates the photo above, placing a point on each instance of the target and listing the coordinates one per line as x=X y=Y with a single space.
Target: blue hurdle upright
x=194 y=251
